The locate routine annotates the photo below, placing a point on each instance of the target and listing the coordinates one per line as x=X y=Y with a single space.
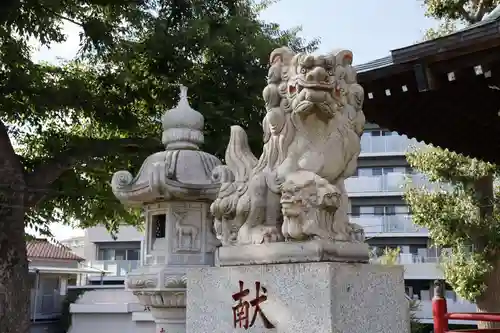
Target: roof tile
x=42 y=249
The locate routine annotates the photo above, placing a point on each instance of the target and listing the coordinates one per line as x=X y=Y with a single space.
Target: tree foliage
x=65 y=129
x=459 y=11
x=466 y=217
x=76 y=124
x=454 y=217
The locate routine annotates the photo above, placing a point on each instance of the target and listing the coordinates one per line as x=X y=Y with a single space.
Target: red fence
x=441 y=314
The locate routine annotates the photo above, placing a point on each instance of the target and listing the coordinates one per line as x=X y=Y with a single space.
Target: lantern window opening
x=159 y=224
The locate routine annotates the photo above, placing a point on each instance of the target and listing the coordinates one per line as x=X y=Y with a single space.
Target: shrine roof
x=489 y=27
x=442 y=91
x=374 y=64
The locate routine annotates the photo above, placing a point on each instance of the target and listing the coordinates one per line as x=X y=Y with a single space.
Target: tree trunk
x=490 y=301
x=14 y=288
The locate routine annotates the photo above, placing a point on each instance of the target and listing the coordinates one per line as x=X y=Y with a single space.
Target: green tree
x=459 y=11
x=462 y=218
x=467 y=216
x=74 y=125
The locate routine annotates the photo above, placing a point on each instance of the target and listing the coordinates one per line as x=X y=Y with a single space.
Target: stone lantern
x=175 y=189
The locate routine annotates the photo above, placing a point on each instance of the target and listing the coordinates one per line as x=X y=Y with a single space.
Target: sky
x=371 y=29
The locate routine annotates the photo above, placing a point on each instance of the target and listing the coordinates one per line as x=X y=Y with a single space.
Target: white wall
x=109 y=323
x=44 y=327
x=99 y=234
x=110 y=310
x=54 y=263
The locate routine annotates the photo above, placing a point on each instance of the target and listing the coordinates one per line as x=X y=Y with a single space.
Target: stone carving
x=308 y=203
x=174 y=187
x=142 y=283
x=312 y=134
x=185 y=232
x=172 y=298
x=169 y=174
x=175 y=281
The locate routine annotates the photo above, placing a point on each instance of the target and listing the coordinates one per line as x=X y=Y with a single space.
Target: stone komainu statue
x=312 y=128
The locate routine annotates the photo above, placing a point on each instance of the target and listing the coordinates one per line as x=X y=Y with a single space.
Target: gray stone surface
x=301 y=297
x=292 y=252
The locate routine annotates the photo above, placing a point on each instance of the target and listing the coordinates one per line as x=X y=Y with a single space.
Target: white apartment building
x=376 y=193
x=114 y=256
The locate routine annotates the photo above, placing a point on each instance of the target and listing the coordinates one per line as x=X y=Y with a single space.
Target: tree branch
x=60 y=16
x=482 y=9
x=465 y=14
x=81 y=151
x=8 y=157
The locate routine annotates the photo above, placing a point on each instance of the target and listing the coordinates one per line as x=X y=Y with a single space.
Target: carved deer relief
x=187 y=234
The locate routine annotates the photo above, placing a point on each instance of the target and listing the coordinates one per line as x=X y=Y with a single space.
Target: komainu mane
x=295 y=190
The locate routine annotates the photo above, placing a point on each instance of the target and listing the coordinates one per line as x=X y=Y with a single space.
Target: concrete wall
x=99 y=234
x=76 y=244
x=54 y=263
x=45 y=327
x=109 y=323
x=109 y=309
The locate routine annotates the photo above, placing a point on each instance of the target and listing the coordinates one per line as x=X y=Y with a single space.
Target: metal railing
x=390 y=182
x=394 y=144
x=441 y=316
x=425 y=256
x=397 y=223
x=45 y=305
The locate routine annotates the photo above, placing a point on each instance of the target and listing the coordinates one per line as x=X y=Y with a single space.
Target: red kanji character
x=162 y=330
x=255 y=303
x=242 y=308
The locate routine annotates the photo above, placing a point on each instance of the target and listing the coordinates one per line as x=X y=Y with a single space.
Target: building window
x=385 y=210
x=355 y=211
x=133 y=254
x=118 y=254
x=381 y=133
x=390 y=210
x=381 y=171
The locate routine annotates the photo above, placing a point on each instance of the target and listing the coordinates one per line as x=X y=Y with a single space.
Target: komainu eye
x=303 y=70
x=330 y=72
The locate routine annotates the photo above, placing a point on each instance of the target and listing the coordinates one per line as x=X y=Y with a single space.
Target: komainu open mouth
x=300 y=85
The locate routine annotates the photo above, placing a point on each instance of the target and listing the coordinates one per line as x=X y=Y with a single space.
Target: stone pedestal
x=292 y=252
x=319 y=297
x=172 y=320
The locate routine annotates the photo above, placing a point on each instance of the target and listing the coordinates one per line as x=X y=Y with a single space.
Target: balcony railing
x=392 y=182
x=45 y=306
x=394 y=144
x=376 y=224
x=426 y=256
x=116 y=267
